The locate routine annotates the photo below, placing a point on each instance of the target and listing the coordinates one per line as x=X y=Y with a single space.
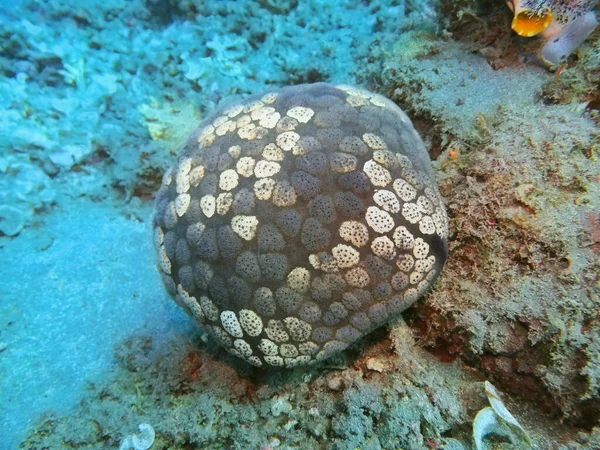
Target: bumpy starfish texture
x=297 y=221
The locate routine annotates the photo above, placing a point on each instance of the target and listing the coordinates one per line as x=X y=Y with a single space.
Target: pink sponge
x=560 y=46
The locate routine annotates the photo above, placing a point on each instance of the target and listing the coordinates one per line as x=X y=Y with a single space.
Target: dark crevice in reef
x=515 y=372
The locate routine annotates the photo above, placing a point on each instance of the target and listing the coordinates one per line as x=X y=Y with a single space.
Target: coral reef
x=305 y=408
x=69 y=67
x=519 y=296
x=93 y=96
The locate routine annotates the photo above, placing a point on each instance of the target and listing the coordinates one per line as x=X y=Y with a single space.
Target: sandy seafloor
x=95 y=99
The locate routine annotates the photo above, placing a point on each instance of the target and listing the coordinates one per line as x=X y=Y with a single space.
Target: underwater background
x=96 y=99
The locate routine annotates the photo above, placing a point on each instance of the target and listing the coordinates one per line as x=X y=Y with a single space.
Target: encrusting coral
x=297 y=221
